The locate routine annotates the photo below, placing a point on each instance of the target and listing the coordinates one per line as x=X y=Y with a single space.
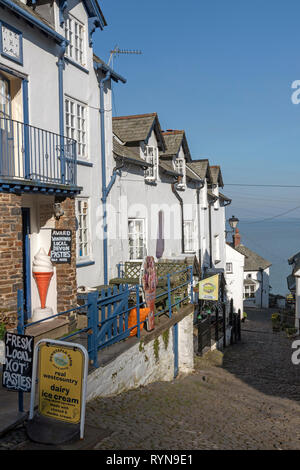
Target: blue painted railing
x=31 y=153
x=108 y=311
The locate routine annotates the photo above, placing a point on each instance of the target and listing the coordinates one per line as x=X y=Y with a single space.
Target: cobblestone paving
x=246 y=398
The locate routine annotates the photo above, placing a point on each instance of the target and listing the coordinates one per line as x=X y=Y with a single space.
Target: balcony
x=36 y=160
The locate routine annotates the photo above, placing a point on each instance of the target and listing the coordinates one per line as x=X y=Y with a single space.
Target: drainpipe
x=182 y=215
x=201 y=186
x=103 y=169
x=210 y=234
x=61 y=66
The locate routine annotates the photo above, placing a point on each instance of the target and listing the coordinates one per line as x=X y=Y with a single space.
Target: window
x=179 y=165
x=136 y=239
x=82 y=229
x=151 y=156
x=249 y=291
x=189 y=236
x=217 y=248
x=229 y=268
x=74 y=32
x=75 y=114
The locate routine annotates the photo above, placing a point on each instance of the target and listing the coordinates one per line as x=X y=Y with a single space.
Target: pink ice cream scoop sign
x=61 y=244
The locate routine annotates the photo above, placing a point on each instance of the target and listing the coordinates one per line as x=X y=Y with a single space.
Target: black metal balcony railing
x=30 y=153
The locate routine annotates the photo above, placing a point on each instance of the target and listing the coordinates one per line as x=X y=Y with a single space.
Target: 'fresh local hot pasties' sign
x=17 y=369
x=60 y=382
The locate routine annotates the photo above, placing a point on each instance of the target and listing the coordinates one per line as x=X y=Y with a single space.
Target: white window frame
x=249 y=291
x=189 y=240
x=75 y=34
x=76 y=125
x=83 y=229
x=151 y=156
x=229 y=268
x=135 y=255
x=217 y=251
x=179 y=164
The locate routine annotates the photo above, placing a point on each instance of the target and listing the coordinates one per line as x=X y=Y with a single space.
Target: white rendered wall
x=143 y=364
x=235 y=280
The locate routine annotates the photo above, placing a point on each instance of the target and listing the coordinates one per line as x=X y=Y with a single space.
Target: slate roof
x=216 y=175
x=167 y=167
x=293 y=259
x=253 y=261
x=174 y=139
x=225 y=198
x=191 y=174
x=129 y=153
x=137 y=128
x=201 y=167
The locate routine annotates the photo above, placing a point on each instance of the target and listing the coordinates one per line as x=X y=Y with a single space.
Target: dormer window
x=151 y=156
x=74 y=32
x=179 y=165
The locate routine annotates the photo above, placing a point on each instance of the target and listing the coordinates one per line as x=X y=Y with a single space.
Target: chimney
x=236 y=238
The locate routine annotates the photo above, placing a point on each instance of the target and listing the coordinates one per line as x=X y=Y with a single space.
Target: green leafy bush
x=2 y=330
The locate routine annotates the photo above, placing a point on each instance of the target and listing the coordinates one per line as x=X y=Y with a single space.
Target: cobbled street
x=246 y=398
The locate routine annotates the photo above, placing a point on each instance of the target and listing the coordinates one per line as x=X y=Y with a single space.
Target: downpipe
x=103 y=171
x=173 y=186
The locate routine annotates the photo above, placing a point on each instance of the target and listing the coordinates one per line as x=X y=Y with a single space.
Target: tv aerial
x=117 y=51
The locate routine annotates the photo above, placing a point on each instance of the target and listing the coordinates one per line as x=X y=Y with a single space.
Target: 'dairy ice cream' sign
x=61 y=243
x=60 y=382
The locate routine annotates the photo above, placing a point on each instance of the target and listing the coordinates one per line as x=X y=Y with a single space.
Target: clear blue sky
x=222 y=71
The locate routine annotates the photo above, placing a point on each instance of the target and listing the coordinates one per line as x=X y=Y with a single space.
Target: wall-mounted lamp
x=58 y=211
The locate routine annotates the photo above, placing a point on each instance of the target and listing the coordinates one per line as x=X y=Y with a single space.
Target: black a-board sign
x=17 y=369
x=61 y=245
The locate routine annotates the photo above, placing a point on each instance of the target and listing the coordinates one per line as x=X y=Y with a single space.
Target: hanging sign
x=61 y=245
x=209 y=288
x=60 y=382
x=17 y=369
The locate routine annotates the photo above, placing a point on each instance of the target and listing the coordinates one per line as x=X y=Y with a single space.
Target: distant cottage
x=256 y=275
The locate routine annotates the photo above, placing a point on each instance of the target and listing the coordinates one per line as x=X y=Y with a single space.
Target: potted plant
x=275 y=321
x=291 y=332
x=2 y=347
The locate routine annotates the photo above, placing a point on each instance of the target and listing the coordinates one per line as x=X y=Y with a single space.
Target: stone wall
x=66 y=273
x=11 y=256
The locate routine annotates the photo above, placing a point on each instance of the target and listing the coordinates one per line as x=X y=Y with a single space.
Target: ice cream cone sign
x=42 y=271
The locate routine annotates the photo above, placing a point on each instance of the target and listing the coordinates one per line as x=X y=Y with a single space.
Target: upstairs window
x=136 y=239
x=75 y=117
x=151 y=156
x=229 y=269
x=189 y=236
x=249 y=291
x=74 y=32
x=217 y=249
x=179 y=165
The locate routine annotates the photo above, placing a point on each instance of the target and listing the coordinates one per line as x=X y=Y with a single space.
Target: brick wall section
x=66 y=273
x=11 y=256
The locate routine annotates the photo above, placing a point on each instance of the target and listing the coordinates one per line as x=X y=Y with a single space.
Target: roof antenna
x=117 y=51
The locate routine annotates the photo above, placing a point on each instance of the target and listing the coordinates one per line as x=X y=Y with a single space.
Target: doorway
x=26 y=262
